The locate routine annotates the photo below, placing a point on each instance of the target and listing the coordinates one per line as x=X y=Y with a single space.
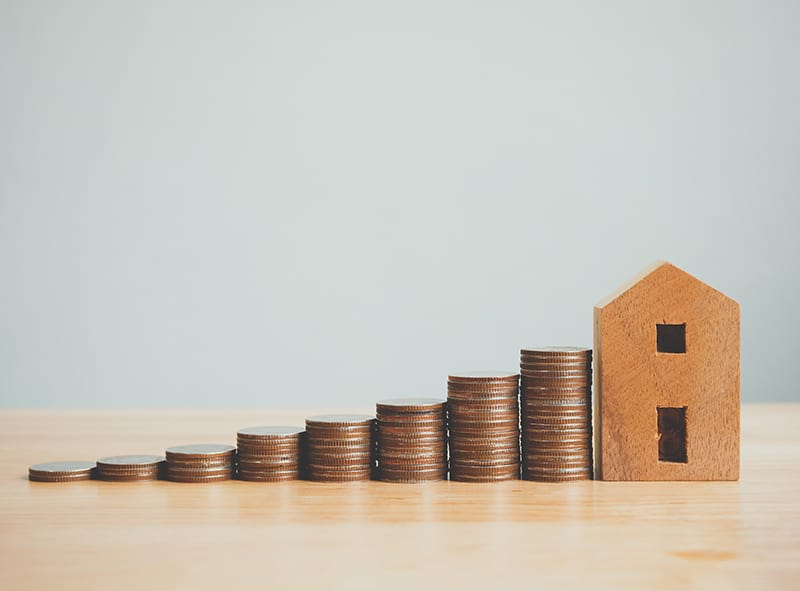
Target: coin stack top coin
x=556 y=399
x=270 y=454
x=69 y=471
x=201 y=462
x=341 y=448
x=483 y=419
x=412 y=439
x=129 y=468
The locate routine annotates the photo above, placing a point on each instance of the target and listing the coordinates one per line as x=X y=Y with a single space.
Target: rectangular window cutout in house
x=671 y=338
x=672 y=434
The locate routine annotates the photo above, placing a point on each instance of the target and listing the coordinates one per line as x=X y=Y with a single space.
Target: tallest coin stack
x=556 y=409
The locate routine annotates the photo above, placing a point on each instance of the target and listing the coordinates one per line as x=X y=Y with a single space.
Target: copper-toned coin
x=339 y=420
x=61 y=471
x=432 y=424
x=483 y=391
x=346 y=477
x=132 y=477
x=412 y=466
x=463 y=474
x=270 y=432
x=199 y=479
x=411 y=477
x=269 y=477
x=170 y=473
x=556 y=477
x=200 y=451
x=269 y=459
x=200 y=466
x=483 y=376
x=274 y=471
x=497 y=448
x=506 y=408
x=405 y=404
x=464 y=426
x=578 y=404
x=341 y=460
x=129 y=461
x=532 y=395
x=555 y=351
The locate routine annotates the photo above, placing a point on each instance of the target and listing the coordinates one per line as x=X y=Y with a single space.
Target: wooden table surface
x=587 y=535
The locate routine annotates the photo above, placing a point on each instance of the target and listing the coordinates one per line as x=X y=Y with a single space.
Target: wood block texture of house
x=667 y=394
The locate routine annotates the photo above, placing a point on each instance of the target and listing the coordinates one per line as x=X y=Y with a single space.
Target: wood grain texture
x=633 y=379
x=582 y=535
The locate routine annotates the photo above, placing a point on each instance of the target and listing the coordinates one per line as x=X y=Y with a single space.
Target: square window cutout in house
x=672 y=434
x=671 y=338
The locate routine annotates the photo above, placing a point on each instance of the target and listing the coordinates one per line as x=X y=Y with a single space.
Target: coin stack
x=483 y=418
x=270 y=454
x=556 y=400
x=412 y=439
x=129 y=468
x=341 y=448
x=202 y=462
x=61 y=471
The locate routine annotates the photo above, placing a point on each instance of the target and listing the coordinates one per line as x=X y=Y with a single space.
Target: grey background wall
x=325 y=203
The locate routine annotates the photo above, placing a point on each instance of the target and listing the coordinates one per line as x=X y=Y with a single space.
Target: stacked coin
x=556 y=400
x=412 y=439
x=483 y=418
x=202 y=462
x=61 y=471
x=270 y=454
x=341 y=448
x=129 y=468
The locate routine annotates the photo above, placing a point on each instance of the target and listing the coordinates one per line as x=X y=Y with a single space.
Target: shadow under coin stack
x=270 y=454
x=412 y=439
x=483 y=418
x=201 y=462
x=132 y=468
x=556 y=406
x=341 y=448
x=61 y=471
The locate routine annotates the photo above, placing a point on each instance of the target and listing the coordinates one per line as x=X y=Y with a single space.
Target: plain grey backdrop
x=325 y=203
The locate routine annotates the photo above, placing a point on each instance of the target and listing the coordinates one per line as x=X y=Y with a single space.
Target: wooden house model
x=667 y=380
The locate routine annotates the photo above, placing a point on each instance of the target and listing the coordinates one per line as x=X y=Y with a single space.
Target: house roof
x=651 y=272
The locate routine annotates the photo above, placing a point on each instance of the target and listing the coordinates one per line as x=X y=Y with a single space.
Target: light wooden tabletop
x=588 y=535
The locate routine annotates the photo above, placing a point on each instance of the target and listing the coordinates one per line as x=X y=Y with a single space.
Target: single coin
x=129 y=461
x=338 y=419
x=268 y=477
x=483 y=387
x=200 y=451
x=198 y=473
x=267 y=431
x=404 y=403
x=198 y=479
x=339 y=477
x=483 y=376
x=555 y=351
x=142 y=477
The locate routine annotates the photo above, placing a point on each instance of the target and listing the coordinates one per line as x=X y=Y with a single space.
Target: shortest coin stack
x=202 y=462
x=341 y=448
x=270 y=454
x=412 y=439
x=61 y=471
x=129 y=468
